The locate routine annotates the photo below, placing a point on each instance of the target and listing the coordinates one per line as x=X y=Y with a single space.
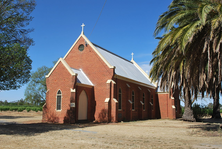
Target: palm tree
x=189 y=54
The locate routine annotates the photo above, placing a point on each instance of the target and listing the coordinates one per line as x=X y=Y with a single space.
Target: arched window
x=144 y=102
x=120 y=99
x=133 y=102
x=152 y=101
x=58 y=100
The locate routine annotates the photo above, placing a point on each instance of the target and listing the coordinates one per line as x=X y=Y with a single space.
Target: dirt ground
x=24 y=130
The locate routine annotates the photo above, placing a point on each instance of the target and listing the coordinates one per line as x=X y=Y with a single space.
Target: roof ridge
x=74 y=68
x=111 y=52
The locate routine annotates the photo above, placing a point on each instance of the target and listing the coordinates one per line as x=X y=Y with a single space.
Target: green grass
x=20 y=108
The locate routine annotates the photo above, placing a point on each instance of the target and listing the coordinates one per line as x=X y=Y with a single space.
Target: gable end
x=92 y=46
x=66 y=66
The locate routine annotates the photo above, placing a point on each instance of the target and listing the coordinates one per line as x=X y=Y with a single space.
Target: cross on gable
x=132 y=55
x=83 y=27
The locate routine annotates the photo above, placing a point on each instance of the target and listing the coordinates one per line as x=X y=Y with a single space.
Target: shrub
x=33 y=109
x=13 y=108
x=4 y=108
x=209 y=111
x=20 y=109
x=28 y=109
x=200 y=111
x=182 y=110
x=40 y=109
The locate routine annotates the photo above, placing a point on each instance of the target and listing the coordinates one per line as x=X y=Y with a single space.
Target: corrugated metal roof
x=124 y=68
x=81 y=77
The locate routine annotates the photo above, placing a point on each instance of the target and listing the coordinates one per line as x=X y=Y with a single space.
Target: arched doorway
x=83 y=106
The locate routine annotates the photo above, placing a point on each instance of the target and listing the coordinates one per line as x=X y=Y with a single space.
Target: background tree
x=21 y=102
x=210 y=106
x=36 y=90
x=15 y=64
x=5 y=102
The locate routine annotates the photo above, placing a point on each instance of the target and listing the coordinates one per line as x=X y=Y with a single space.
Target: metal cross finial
x=132 y=56
x=82 y=27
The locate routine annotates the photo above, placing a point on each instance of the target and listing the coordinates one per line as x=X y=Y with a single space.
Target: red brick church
x=93 y=84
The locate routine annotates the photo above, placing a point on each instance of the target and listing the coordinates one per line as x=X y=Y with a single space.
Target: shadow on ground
x=14 y=117
x=210 y=125
x=37 y=128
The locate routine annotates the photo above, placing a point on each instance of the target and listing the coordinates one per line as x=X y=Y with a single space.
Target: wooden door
x=83 y=106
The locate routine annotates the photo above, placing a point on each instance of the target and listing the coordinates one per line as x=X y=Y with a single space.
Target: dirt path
x=28 y=132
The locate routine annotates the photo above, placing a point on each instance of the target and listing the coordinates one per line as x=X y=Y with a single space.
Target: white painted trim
x=128 y=85
x=130 y=102
x=109 y=81
x=139 y=88
x=73 y=90
x=143 y=72
x=61 y=100
x=148 y=90
x=133 y=81
x=73 y=46
x=86 y=77
x=92 y=46
x=107 y=100
x=151 y=104
x=47 y=91
x=141 y=102
x=115 y=100
x=64 y=64
x=44 y=105
x=97 y=52
x=173 y=107
x=172 y=97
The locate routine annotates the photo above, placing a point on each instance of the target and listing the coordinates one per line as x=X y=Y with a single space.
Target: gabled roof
x=65 y=64
x=81 y=77
x=88 y=42
x=123 y=68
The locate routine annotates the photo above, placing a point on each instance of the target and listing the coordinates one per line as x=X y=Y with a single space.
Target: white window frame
x=60 y=101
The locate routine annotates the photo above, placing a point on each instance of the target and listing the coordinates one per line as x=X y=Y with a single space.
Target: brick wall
x=126 y=113
x=169 y=106
x=60 y=79
x=95 y=69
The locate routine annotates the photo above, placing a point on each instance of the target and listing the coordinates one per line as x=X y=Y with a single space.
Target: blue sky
x=125 y=26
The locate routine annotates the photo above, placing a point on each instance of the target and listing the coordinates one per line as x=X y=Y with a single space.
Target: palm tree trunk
x=216 y=104
x=188 y=112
